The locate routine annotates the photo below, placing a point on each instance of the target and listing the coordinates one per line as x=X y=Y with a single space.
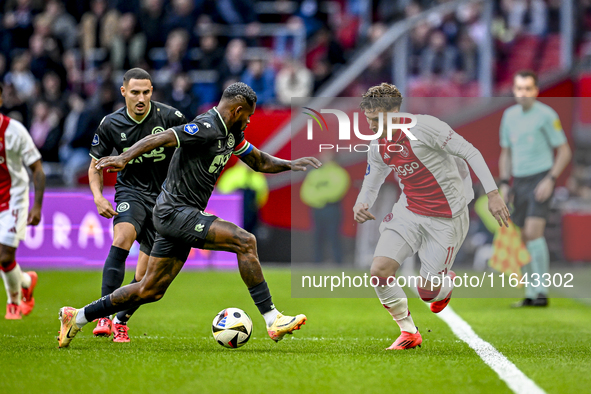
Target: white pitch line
x=507 y=371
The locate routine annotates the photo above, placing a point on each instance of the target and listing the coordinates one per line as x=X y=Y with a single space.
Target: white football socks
x=81 y=318
x=12 y=283
x=394 y=300
x=270 y=317
x=26 y=280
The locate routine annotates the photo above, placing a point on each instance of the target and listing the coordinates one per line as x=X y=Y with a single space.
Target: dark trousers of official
x=327 y=224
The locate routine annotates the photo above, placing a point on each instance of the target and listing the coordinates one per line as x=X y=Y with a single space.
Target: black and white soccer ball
x=231 y=328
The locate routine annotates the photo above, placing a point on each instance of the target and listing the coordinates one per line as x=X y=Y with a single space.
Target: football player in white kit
x=17 y=148
x=431 y=215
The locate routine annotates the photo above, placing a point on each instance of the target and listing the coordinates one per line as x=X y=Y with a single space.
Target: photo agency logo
x=393 y=120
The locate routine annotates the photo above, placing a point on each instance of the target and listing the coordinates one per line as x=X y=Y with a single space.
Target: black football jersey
x=119 y=131
x=204 y=147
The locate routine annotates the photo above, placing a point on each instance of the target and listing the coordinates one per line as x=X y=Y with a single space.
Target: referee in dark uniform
x=137 y=185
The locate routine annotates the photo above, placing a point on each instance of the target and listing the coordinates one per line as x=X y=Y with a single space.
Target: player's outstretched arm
x=167 y=139
x=264 y=162
x=39 y=185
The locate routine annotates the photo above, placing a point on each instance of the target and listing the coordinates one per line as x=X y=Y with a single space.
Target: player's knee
x=123 y=242
x=382 y=268
x=247 y=242
x=6 y=259
x=149 y=294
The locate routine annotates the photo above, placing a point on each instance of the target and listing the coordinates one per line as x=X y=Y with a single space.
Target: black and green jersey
x=119 y=131
x=204 y=147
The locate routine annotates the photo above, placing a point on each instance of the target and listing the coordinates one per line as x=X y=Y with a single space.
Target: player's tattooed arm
x=166 y=139
x=264 y=162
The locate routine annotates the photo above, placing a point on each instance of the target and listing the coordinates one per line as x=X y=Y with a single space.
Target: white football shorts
x=437 y=240
x=13 y=223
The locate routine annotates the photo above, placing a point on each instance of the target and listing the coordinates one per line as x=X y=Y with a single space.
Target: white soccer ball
x=231 y=328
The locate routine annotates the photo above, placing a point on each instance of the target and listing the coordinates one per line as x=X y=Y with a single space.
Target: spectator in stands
x=74 y=76
x=97 y=27
x=18 y=21
x=211 y=53
x=294 y=80
x=325 y=45
x=419 y=37
x=528 y=16
x=438 y=58
x=63 y=25
x=467 y=60
x=322 y=72
x=261 y=78
x=45 y=130
x=74 y=159
x=126 y=6
x=180 y=96
x=13 y=105
x=234 y=64
x=128 y=48
x=51 y=92
x=151 y=15
x=176 y=56
x=21 y=77
x=182 y=15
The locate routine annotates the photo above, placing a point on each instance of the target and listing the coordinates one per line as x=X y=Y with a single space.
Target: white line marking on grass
x=507 y=371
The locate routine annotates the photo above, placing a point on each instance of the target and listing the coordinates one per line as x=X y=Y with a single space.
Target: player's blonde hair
x=383 y=97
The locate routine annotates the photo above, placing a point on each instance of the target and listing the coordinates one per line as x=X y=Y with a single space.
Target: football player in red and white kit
x=431 y=216
x=17 y=148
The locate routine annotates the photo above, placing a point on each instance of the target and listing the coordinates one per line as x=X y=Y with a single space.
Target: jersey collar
x=147 y=113
x=220 y=116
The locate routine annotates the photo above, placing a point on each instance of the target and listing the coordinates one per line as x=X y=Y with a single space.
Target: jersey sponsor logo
x=123 y=137
x=157 y=129
x=124 y=206
x=178 y=113
x=388 y=217
x=231 y=141
x=95 y=140
x=406 y=169
x=199 y=228
x=191 y=128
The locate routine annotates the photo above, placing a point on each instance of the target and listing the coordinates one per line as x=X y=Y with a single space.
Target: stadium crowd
x=62 y=60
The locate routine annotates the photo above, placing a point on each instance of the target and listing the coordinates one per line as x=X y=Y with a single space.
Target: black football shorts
x=136 y=208
x=179 y=229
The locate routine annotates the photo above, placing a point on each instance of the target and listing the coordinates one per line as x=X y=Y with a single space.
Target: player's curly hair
x=239 y=91
x=383 y=97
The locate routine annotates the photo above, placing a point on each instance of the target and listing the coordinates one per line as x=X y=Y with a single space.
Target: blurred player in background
x=203 y=148
x=17 y=148
x=137 y=185
x=431 y=215
x=530 y=131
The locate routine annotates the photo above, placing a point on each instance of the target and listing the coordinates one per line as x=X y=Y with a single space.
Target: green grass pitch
x=340 y=349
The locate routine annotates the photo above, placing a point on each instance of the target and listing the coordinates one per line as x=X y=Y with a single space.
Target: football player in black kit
x=137 y=187
x=203 y=149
